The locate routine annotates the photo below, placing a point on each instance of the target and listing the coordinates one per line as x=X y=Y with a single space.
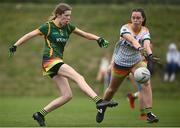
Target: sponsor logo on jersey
x=61 y=40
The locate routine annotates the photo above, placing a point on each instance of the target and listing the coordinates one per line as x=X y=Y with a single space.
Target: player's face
x=65 y=17
x=136 y=18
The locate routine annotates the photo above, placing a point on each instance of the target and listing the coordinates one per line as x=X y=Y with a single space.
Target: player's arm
x=27 y=36
x=135 y=43
x=22 y=40
x=150 y=57
x=86 y=35
x=147 y=46
x=101 y=41
x=131 y=39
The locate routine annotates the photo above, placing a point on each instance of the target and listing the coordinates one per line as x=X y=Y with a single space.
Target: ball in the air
x=142 y=75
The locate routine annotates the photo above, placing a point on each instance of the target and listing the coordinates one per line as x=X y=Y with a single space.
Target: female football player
x=134 y=42
x=56 y=33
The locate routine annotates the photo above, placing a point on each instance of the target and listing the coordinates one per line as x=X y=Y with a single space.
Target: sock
x=143 y=111
x=97 y=99
x=148 y=110
x=43 y=112
x=135 y=95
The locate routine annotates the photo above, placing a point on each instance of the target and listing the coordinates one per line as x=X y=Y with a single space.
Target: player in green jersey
x=56 y=33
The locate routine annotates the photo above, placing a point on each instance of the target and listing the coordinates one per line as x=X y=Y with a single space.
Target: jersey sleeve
x=44 y=29
x=124 y=29
x=71 y=28
x=146 y=36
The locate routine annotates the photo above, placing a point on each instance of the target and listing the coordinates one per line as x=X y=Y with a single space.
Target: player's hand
x=12 y=50
x=143 y=51
x=153 y=59
x=102 y=42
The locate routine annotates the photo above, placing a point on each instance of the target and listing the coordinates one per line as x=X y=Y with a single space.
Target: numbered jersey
x=125 y=54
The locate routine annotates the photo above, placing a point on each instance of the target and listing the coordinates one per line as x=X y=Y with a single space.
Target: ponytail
x=60 y=9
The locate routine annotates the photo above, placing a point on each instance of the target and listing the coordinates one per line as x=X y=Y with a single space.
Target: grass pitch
x=81 y=112
x=21 y=76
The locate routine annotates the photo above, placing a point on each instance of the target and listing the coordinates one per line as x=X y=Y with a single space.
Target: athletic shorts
x=121 y=71
x=51 y=66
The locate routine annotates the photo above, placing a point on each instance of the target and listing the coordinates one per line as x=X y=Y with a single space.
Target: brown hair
x=60 y=9
x=142 y=13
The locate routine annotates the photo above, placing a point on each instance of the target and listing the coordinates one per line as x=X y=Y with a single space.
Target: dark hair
x=60 y=9
x=142 y=13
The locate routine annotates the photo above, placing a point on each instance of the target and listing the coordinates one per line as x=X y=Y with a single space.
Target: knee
x=68 y=97
x=147 y=84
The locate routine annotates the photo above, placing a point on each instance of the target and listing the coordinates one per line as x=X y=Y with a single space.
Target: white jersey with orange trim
x=125 y=54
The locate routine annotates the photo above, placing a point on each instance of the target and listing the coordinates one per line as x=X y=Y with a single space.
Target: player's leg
x=142 y=105
x=117 y=76
x=107 y=78
x=146 y=93
x=66 y=95
x=65 y=91
x=99 y=79
x=131 y=99
x=69 y=72
x=146 y=98
x=133 y=96
x=109 y=93
x=113 y=87
x=100 y=75
x=141 y=97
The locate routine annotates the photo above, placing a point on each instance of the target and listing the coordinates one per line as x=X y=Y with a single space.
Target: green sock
x=96 y=99
x=148 y=110
x=143 y=111
x=43 y=112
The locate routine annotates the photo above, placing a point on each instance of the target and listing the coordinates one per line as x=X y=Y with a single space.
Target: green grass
x=81 y=112
x=23 y=72
x=21 y=76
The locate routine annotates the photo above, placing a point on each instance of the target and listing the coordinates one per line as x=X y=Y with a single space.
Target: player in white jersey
x=125 y=54
x=134 y=42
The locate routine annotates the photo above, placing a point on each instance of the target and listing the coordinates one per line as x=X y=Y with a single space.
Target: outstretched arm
x=131 y=39
x=22 y=40
x=147 y=46
x=86 y=35
x=150 y=57
x=27 y=36
x=101 y=41
x=135 y=43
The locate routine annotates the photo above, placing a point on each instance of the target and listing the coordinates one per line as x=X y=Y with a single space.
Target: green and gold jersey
x=55 y=38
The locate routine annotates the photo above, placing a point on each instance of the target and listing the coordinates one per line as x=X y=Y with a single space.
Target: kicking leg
x=70 y=73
